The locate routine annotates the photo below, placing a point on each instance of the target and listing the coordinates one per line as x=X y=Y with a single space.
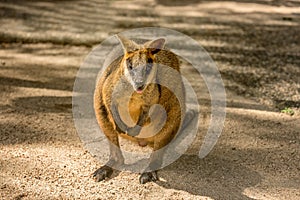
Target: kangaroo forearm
x=120 y=125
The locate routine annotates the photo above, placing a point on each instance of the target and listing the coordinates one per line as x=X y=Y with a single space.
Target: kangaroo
x=134 y=78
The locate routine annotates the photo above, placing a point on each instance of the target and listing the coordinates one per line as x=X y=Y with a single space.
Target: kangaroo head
x=139 y=62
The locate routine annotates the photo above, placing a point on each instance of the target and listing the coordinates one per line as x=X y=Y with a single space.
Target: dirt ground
x=256 y=46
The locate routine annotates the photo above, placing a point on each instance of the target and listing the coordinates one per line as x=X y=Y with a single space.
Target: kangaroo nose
x=139 y=80
x=139 y=83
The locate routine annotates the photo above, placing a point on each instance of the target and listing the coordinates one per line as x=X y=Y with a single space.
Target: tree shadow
x=45 y=104
x=265 y=2
x=267 y=129
x=213 y=177
x=254 y=43
x=258 y=52
x=32 y=131
x=38 y=84
x=177 y=2
x=242 y=159
x=38 y=119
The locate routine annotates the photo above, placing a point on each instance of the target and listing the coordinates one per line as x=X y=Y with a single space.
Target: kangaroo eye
x=149 y=64
x=129 y=64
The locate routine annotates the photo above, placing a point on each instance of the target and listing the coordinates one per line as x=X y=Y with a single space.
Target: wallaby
x=139 y=71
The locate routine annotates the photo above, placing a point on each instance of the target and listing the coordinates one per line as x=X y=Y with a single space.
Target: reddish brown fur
x=150 y=96
x=140 y=104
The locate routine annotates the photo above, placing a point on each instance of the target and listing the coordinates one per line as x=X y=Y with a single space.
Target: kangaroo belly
x=129 y=114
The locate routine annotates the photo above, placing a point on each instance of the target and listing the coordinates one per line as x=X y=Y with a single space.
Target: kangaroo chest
x=132 y=108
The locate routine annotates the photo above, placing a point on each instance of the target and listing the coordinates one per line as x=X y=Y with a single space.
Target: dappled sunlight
x=254 y=43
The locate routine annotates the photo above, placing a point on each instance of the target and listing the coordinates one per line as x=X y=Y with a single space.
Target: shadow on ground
x=256 y=52
x=213 y=177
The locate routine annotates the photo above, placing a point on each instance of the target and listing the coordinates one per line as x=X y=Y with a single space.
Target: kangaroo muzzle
x=139 y=79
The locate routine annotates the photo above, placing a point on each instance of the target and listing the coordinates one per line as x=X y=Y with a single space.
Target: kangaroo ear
x=155 y=45
x=127 y=45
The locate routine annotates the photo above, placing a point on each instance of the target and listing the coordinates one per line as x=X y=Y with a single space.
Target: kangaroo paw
x=134 y=131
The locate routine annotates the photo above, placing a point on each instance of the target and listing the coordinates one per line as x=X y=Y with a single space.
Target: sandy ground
x=256 y=47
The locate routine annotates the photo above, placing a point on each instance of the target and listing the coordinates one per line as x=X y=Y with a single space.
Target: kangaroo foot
x=102 y=173
x=148 y=176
